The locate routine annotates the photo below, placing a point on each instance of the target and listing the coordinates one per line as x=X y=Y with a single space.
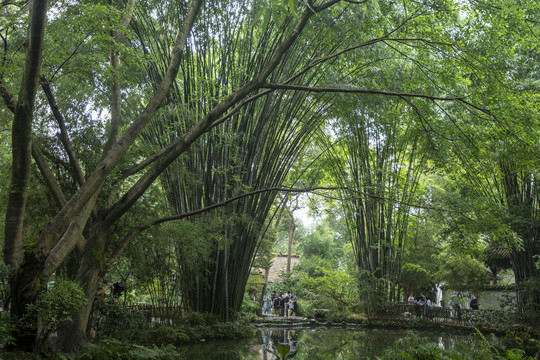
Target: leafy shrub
x=371 y=294
x=116 y=321
x=305 y=309
x=53 y=308
x=333 y=290
x=117 y=350
x=220 y=331
x=6 y=331
x=529 y=291
x=250 y=309
x=522 y=340
x=166 y=335
x=414 y=347
x=199 y=318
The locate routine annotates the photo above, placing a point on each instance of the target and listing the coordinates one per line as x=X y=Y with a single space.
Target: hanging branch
x=137 y=230
x=376 y=92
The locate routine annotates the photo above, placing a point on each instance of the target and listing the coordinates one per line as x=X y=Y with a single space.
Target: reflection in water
x=314 y=343
x=280 y=343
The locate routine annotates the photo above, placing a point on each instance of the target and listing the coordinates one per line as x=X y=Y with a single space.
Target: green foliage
x=118 y=322
x=372 y=293
x=5 y=273
x=333 y=290
x=265 y=255
x=283 y=350
x=7 y=330
x=463 y=272
x=522 y=341
x=250 y=309
x=333 y=284
x=118 y=350
x=53 y=308
x=414 y=347
x=255 y=282
x=523 y=308
x=199 y=319
x=415 y=278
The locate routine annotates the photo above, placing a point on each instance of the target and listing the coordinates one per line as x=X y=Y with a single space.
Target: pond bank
x=397 y=323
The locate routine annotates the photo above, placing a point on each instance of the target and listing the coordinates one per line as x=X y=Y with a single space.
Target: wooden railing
x=489 y=318
x=159 y=315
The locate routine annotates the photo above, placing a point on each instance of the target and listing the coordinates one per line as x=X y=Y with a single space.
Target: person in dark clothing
x=474 y=304
x=419 y=305
x=276 y=304
x=273 y=302
x=282 y=303
x=118 y=288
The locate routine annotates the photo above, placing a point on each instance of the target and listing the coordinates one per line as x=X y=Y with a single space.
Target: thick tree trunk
x=22 y=137
x=73 y=335
x=26 y=284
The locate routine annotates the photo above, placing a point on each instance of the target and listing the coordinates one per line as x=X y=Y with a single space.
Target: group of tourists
x=422 y=305
x=284 y=304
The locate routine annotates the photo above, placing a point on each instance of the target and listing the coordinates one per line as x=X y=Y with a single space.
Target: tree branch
x=116 y=96
x=46 y=172
x=72 y=53
x=64 y=137
x=182 y=144
x=93 y=183
x=70 y=239
x=137 y=230
x=48 y=176
x=375 y=92
x=316 y=62
x=6 y=95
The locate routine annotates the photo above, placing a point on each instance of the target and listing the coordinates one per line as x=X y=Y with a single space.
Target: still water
x=314 y=343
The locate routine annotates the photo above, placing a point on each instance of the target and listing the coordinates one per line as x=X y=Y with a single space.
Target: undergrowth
x=414 y=347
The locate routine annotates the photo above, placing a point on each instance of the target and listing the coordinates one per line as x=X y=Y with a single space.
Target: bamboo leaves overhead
x=254 y=149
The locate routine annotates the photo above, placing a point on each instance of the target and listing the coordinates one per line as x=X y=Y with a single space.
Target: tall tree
x=103 y=190
x=383 y=163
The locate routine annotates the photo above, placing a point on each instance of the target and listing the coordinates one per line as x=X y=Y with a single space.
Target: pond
x=315 y=343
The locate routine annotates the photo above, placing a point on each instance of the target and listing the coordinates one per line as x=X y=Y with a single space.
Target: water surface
x=315 y=343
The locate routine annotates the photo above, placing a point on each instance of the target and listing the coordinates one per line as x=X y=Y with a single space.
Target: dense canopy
x=176 y=138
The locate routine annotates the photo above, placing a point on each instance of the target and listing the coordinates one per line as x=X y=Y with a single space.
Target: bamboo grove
x=125 y=106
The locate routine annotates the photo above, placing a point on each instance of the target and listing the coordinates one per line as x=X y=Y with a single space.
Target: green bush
x=116 y=350
x=199 y=318
x=371 y=293
x=6 y=331
x=250 y=309
x=115 y=321
x=52 y=309
x=414 y=347
x=304 y=308
x=166 y=335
